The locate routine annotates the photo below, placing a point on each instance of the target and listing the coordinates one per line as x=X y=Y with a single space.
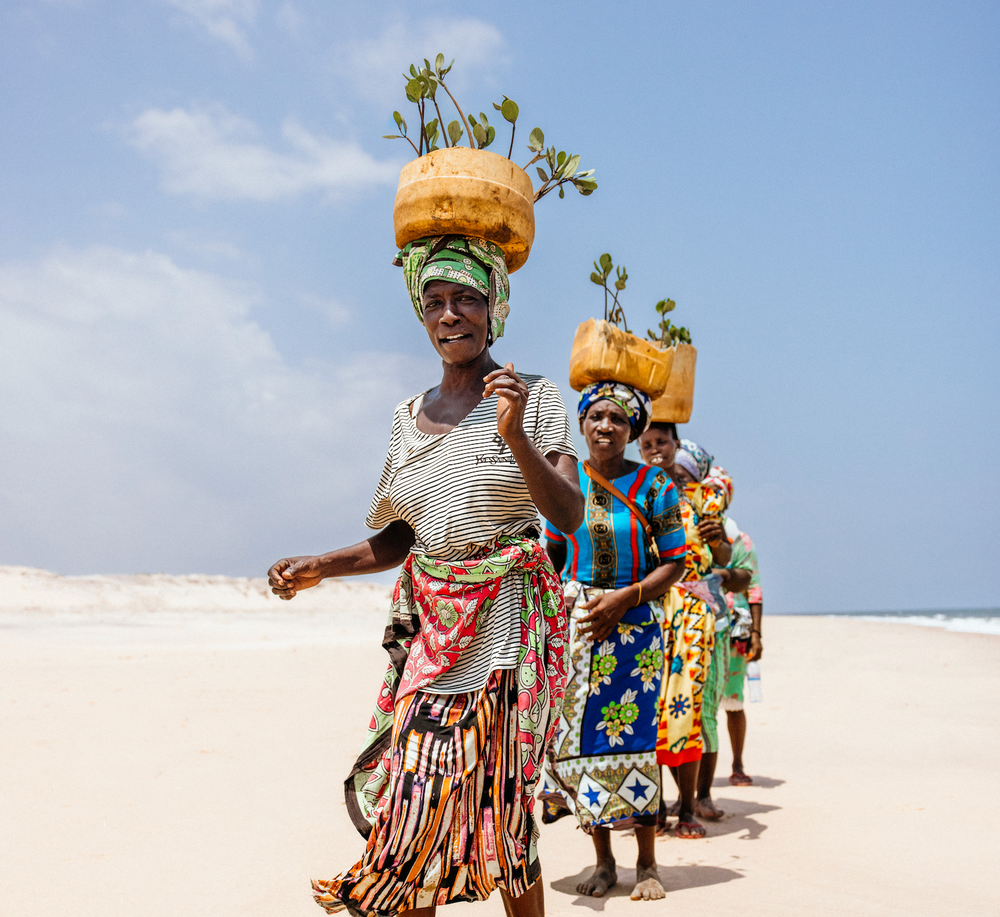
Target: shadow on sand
x=673 y=878
x=765 y=783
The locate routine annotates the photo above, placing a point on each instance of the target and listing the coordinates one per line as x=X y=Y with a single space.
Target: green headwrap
x=472 y=262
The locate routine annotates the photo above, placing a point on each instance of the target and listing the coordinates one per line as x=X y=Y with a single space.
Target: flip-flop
x=740 y=780
x=693 y=830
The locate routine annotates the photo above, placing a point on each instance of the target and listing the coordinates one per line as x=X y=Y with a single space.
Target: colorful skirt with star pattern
x=602 y=760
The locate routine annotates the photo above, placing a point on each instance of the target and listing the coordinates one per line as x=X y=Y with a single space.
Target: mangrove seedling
x=602 y=271
x=422 y=85
x=669 y=335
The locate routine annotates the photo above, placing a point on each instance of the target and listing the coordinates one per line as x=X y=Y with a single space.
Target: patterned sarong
x=443 y=787
x=602 y=764
x=690 y=637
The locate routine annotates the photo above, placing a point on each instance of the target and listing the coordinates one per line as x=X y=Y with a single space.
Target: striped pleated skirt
x=457 y=822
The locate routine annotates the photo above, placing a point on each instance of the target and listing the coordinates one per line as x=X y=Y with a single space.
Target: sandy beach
x=177 y=746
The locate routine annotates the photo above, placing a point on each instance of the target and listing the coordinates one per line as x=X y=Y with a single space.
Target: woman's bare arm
x=552 y=479
x=382 y=551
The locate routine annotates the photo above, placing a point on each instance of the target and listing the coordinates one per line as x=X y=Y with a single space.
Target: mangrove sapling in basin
x=422 y=85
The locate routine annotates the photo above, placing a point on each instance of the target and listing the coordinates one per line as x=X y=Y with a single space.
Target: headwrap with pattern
x=467 y=260
x=687 y=462
x=700 y=456
x=636 y=404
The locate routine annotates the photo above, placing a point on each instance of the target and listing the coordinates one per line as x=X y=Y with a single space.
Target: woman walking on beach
x=443 y=788
x=690 y=628
x=616 y=566
x=747 y=606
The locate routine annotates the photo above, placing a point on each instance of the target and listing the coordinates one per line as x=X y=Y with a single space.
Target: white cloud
x=377 y=65
x=217 y=155
x=149 y=424
x=225 y=20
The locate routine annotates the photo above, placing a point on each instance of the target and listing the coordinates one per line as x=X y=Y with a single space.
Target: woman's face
x=658 y=447
x=457 y=319
x=682 y=476
x=606 y=429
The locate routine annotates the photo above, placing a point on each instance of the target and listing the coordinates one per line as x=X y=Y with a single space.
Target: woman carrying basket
x=476 y=637
x=628 y=552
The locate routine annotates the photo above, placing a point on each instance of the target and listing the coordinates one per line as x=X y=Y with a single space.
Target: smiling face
x=657 y=446
x=606 y=429
x=457 y=320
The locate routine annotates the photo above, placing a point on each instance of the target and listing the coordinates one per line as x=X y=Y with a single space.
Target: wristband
x=639 y=602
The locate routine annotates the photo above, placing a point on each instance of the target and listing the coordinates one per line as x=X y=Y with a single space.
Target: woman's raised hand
x=512 y=399
x=293 y=574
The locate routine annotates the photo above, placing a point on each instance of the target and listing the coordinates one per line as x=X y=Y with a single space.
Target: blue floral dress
x=602 y=760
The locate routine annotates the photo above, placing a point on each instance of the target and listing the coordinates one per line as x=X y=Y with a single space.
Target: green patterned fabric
x=473 y=262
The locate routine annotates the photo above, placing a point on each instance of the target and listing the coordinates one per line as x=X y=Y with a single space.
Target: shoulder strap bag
x=643 y=521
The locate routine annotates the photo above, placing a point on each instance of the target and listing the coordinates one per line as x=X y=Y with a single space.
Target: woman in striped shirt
x=443 y=787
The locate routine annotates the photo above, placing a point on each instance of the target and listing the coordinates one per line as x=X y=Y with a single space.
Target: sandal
x=691 y=830
x=740 y=780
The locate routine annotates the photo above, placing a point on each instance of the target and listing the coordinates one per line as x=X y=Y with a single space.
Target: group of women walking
x=501 y=669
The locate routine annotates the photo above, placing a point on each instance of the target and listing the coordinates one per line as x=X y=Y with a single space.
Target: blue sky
x=203 y=337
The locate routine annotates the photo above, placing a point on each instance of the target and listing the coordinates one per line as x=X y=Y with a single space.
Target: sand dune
x=194 y=766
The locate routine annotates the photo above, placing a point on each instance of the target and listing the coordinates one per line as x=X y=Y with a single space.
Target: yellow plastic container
x=467 y=192
x=603 y=352
x=677 y=401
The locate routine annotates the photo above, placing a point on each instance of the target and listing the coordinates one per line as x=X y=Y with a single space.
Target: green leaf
x=439 y=62
x=472 y=120
x=550 y=157
x=491 y=132
x=598 y=279
x=562 y=192
x=536 y=140
x=427 y=64
x=414 y=89
x=541 y=173
x=393 y=137
x=561 y=158
x=620 y=284
x=455 y=132
x=669 y=306
x=498 y=107
x=413 y=70
x=606 y=263
x=585 y=185
x=480 y=134
x=509 y=110
x=431 y=126
x=572 y=164
x=483 y=119
x=398 y=118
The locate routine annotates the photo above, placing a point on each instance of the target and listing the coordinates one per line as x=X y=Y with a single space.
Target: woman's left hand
x=712 y=532
x=605 y=613
x=512 y=399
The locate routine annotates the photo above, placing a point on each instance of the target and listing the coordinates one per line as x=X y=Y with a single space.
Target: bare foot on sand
x=601 y=879
x=647 y=886
x=705 y=808
x=738 y=778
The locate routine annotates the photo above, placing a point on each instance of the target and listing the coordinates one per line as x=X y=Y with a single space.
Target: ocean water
x=964 y=620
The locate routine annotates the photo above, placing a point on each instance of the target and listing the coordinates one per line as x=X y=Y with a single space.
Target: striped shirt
x=609 y=549
x=459 y=491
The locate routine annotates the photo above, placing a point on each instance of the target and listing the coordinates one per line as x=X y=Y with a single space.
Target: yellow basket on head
x=677 y=401
x=467 y=192
x=603 y=352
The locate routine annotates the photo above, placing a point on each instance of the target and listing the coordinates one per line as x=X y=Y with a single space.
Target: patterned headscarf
x=687 y=461
x=718 y=475
x=636 y=404
x=473 y=262
x=700 y=456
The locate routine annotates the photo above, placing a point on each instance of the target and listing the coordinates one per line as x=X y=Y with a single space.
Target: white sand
x=177 y=746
